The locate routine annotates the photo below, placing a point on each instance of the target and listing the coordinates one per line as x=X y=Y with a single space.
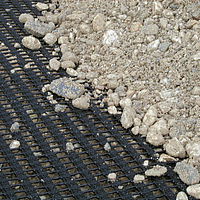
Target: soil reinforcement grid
x=41 y=168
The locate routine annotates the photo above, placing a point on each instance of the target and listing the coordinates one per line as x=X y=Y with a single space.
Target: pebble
x=161 y=127
x=37 y=28
x=135 y=130
x=166 y=158
x=67 y=64
x=60 y=108
x=69 y=147
x=196 y=90
x=155 y=138
x=72 y=72
x=31 y=42
x=153 y=45
x=150 y=116
x=125 y=102
x=196 y=56
x=112 y=84
x=175 y=148
x=164 y=106
x=156 y=171
x=151 y=29
x=63 y=40
x=112 y=110
x=24 y=17
x=112 y=177
x=14 y=127
x=157 y=8
x=107 y=146
x=181 y=196
x=85 y=28
x=188 y=174
x=17 y=45
x=69 y=56
x=98 y=22
x=54 y=64
x=14 y=144
x=196 y=13
x=127 y=117
x=135 y=26
x=164 y=46
x=82 y=102
x=193 y=150
x=110 y=37
x=194 y=191
x=42 y=6
x=50 y=38
x=138 y=178
x=66 y=88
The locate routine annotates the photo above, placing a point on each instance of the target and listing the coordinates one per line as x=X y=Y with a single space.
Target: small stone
x=166 y=158
x=155 y=138
x=181 y=196
x=14 y=144
x=168 y=14
x=125 y=102
x=69 y=56
x=194 y=191
x=60 y=108
x=127 y=117
x=58 y=32
x=76 y=16
x=85 y=28
x=157 y=7
x=188 y=174
x=63 y=40
x=66 y=88
x=150 y=116
x=196 y=90
x=146 y=163
x=164 y=47
x=135 y=130
x=50 y=38
x=153 y=45
x=14 y=127
x=31 y=42
x=138 y=178
x=54 y=64
x=156 y=171
x=37 y=28
x=112 y=110
x=191 y=23
x=164 y=106
x=112 y=177
x=72 y=72
x=17 y=45
x=42 y=6
x=112 y=84
x=67 y=64
x=161 y=127
x=69 y=147
x=98 y=22
x=175 y=148
x=197 y=101
x=143 y=130
x=107 y=146
x=193 y=150
x=110 y=37
x=196 y=13
x=82 y=102
x=135 y=26
x=151 y=29
x=115 y=98
x=23 y=18
x=196 y=56
x=137 y=121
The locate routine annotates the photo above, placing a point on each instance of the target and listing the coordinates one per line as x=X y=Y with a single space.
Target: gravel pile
x=144 y=55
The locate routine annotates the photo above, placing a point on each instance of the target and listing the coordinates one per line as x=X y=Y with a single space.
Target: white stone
x=14 y=144
x=125 y=102
x=98 y=22
x=153 y=45
x=196 y=90
x=196 y=56
x=150 y=116
x=161 y=127
x=175 y=148
x=193 y=150
x=72 y=72
x=110 y=37
x=127 y=117
x=112 y=177
x=69 y=147
x=42 y=6
x=156 y=171
x=157 y=7
x=31 y=42
x=107 y=146
x=138 y=178
x=54 y=64
x=194 y=190
x=181 y=196
x=135 y=130
x=50 y=38
x=24 y=17
x=112 y=110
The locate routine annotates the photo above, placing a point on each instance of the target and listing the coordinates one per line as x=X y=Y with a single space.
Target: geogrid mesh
x=41 y=168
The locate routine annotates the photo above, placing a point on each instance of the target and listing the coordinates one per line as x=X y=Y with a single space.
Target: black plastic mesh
x=41 y=168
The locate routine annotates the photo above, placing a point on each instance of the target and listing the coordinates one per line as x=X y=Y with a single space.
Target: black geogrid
x=18 y=93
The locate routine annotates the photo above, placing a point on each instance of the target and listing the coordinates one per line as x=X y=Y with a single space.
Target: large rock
x=38 y=28
x=187 y=173
x=66 y=88
x=194 y=191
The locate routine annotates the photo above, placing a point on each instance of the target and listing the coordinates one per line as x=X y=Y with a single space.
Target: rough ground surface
x=143 y=56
